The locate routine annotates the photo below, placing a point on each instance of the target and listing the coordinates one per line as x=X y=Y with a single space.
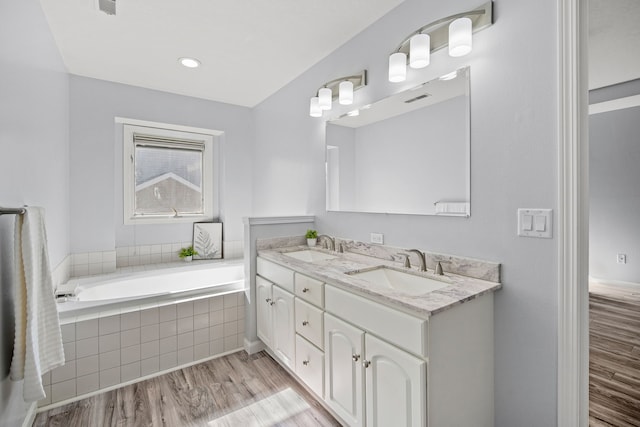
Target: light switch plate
x=535 y=223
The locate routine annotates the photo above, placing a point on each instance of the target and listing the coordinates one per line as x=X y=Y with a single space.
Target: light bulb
x=314 y=107
x=419 y=50
x=460 y=38
x=398 y=67
x=325 y=96
x=346 y=93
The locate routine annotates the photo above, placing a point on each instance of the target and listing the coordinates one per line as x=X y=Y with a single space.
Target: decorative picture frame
x=207 y=240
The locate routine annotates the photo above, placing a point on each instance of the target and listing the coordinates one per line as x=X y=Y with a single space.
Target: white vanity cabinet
x=360 y=367
x=264 y=308
x=396 y=385
x=283 y=340
x=275 y=310
x=343 y=383
x=373 y=364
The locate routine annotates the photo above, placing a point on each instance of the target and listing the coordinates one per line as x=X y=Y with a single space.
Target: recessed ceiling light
x=189 y=62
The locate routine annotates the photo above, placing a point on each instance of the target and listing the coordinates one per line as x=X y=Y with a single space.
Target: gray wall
x=96 y=161
x=514 y=164
x=614 y=206
x=34 y=153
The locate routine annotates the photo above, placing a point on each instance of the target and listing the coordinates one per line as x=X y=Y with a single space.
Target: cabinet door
x=263 y=310
x=283 y=339
x=396 y=384
x=310 y=364
x=343 y=345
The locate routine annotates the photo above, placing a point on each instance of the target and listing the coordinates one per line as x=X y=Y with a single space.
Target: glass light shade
x=325 y=95
x=460 y=38
x=419 y=51
x=346 y=93
x=398 y=67
x=314 y=107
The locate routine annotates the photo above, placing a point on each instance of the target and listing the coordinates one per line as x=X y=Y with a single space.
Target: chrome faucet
x=423 y=262
x=332 y=244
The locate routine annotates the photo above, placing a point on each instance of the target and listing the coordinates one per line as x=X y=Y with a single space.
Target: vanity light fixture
x=325 y=96
x=460 y=38
x=345 y=92
x=189 y=62
x=398 y=67
x=341 y=89
x=419 y=50
x=314 y=107
x=454 y=31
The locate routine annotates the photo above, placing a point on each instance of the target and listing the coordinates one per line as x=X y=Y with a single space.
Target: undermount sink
x=406 y=283
x=308 y=255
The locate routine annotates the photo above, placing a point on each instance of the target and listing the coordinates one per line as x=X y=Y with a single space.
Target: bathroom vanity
x=380 y=344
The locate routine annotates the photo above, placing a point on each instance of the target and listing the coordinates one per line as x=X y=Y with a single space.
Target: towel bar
x=12 y=211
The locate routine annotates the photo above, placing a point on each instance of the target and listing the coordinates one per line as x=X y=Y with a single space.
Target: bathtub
x=121 y=328
x=162 y=283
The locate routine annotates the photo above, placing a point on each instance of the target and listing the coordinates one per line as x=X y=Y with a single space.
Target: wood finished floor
x=614 y=357
x=234 y=390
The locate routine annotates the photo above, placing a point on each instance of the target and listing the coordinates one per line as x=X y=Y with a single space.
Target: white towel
x=38 y=341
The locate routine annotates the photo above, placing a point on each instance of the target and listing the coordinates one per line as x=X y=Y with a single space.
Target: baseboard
x=252 y=347
x=615 y=283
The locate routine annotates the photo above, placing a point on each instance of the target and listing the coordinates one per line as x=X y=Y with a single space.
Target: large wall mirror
x=405 y=154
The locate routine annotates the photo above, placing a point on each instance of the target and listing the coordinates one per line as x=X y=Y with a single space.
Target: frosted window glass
x=168 y=181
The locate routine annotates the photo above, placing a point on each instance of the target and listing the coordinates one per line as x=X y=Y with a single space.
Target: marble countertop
x=332 y=271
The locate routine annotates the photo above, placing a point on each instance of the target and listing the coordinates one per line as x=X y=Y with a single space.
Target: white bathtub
x=125 y=327
x=106 y=292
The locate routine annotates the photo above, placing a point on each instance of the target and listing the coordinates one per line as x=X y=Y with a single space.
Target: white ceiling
x=614 y=42
x=248 y=48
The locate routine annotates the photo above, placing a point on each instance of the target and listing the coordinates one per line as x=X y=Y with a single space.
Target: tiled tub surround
x=107 y=349
x=467 y=278
x=104 y=262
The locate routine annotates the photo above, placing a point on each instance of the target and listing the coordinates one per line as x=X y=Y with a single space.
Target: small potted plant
x=312 y=237
x=187 y=253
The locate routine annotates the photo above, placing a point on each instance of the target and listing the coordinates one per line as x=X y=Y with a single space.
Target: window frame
x=210 y=168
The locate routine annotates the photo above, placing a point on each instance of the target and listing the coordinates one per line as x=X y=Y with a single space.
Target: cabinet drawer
x=279 y=275
x=310 y=322
x=310 y=290
x=310 y=365
x=399 y=328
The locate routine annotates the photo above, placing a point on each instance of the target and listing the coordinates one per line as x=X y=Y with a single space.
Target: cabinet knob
x=355 y=357
x=268 y=300
x=271 y=302
x=366 y=363
x=305 y=290
x=305 y=323
x=305 y=362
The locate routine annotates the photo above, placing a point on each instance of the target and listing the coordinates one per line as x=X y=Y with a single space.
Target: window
x=168 y=176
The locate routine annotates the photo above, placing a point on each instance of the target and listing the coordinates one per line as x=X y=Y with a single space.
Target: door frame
x=573 y=215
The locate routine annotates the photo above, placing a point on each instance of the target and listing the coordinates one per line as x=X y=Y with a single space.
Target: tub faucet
x=330 y=241
x=423 y=262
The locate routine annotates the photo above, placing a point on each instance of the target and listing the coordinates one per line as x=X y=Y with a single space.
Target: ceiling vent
x=107 y=6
